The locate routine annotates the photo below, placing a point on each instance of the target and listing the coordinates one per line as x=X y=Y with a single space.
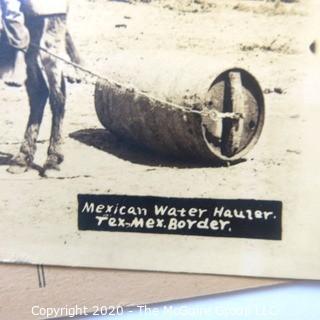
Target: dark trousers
x=13 y=24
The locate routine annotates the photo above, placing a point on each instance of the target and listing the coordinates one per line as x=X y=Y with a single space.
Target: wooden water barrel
x=180 y=107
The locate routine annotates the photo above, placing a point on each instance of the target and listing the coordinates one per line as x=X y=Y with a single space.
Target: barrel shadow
x=106 y=141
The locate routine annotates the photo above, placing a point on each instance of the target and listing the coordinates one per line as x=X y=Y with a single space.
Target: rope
x=212 y=114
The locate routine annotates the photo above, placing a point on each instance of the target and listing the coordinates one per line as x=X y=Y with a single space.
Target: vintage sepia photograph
x=161 y=135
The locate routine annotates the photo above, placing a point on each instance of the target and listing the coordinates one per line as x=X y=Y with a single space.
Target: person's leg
x=16 y=76
x=18 y=37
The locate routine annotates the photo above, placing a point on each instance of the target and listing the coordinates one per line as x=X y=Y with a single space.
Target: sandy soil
x=256 y=34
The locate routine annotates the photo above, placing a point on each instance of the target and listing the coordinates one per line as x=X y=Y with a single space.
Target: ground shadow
x=104 y=140
x=5 y=159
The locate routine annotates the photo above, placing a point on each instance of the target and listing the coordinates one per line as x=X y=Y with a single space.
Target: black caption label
x=256 y=219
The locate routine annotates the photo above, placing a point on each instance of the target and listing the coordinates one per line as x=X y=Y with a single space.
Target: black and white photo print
x=161 y=135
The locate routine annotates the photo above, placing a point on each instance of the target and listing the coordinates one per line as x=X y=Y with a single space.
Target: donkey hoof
x=17 y=169
x=51 y=167
x=18 y=165
x=51 y=171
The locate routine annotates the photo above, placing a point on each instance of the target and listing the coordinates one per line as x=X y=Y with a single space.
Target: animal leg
x=54 y=40
x=38 y=94
x=57 y=100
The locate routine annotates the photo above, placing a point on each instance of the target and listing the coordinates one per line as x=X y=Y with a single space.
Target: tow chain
x=213 y=114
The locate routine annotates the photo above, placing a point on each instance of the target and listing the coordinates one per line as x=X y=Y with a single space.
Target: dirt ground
x=271 y=41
